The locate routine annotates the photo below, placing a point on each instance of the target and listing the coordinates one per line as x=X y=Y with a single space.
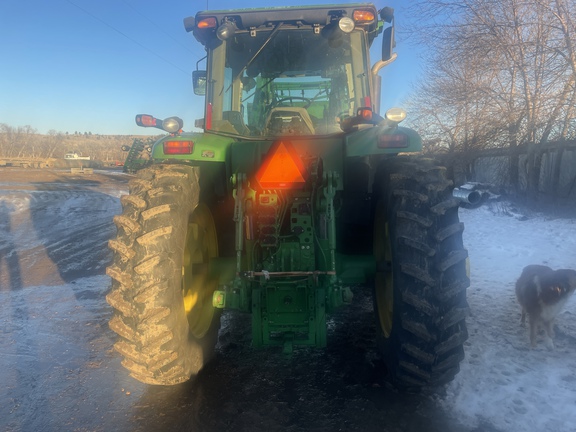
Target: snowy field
x=503 y=384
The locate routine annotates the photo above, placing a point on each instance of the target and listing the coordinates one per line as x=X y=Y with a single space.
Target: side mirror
x=388 y=43
x=199 y=82
x=387 y=14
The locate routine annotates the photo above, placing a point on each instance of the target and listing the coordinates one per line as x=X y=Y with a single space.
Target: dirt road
x=58 y=371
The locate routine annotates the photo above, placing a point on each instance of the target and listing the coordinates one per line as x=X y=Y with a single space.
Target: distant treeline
x=26 y=142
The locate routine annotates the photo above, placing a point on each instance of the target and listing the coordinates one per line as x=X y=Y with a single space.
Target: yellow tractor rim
x=197 y=283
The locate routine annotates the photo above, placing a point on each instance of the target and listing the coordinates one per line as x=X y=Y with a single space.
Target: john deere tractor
x=296 y=192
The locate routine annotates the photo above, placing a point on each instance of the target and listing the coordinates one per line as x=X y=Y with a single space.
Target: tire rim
x=383 y=290
x=197 y=284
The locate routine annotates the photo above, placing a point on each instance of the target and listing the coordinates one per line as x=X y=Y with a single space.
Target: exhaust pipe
x=471 y=198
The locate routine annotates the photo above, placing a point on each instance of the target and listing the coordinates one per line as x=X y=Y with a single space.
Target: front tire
x=161 y=286
x=421 y=280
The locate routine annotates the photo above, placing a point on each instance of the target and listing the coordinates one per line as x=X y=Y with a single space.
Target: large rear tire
x=420 y=290
x=161 y=287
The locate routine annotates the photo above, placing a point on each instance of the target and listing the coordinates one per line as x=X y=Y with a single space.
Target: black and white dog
x=542 y=292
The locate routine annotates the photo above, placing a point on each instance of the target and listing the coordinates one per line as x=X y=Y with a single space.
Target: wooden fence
x=493 y=166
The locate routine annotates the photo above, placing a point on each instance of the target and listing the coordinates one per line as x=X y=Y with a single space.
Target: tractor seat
x=289 y=121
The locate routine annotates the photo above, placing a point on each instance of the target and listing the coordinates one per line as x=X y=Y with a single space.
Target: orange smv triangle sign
x=282 y=168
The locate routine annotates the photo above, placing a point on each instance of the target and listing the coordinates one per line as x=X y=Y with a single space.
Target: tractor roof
x=300 y=16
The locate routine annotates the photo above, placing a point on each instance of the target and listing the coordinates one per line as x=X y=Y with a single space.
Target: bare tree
x=506 y=68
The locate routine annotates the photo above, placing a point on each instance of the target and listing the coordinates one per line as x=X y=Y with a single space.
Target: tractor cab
x=287 y=71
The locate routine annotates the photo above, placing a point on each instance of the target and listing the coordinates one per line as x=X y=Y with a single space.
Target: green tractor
x=296 y=192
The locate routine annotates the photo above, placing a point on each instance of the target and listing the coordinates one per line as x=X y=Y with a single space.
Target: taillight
x=365 y=113
x=363 y=16
x=282 y=168
x=367 y=101
x=206 y=23
x=393 y=141
x=145 y=120
x=208 y=122
x=178 y=147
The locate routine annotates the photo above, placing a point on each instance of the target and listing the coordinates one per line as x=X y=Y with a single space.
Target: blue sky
x=92 y=65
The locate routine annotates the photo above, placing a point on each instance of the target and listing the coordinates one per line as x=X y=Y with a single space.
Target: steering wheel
x=291 y=99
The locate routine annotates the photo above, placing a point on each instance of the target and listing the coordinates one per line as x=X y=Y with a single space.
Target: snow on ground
x=503 y=384
x=55 y=355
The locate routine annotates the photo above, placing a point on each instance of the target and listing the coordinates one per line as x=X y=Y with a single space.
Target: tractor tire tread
x=149 y=316
x=426 y=342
